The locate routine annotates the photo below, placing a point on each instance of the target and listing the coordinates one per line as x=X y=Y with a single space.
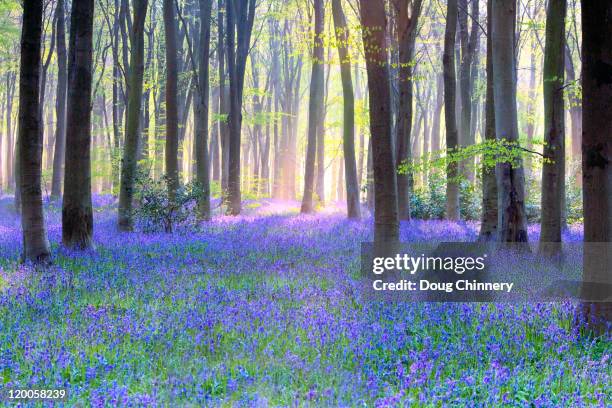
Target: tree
x=468 y=47
x=35 y=243
x=488 y=226
x=316 y=101
x=553 y=169
x=350 y=165
x=450 y=85
x=374 y=28
x=172 y=141
x=596 y=153
x=408 y=12
x=77 y=213
x=134 y=107
x=510 y=177
x=202 y=108
x=60 y=104
x=240 y=16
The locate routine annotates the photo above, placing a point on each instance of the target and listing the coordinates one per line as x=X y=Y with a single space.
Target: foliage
x=491 y=153
x=429 y=203
x=155 y=211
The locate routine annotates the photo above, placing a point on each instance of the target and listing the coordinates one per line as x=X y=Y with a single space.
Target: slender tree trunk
x=450 y=88
x=35 y=243
x=201 y=117
x=488 y=227
x=408 y=12
x=133 y=128
x=172 y=150
x=512 y=222
x=435 y=126
x=223 y=99
x=60 y=104
x=350 y=167
x=240 y=17
x=575 y=108
x=316 y=100
x=596 y=154
x=553 y=169
x=373 y=20
x=468 y=42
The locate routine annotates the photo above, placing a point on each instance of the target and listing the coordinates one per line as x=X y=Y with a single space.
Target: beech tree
x=77 y=213
x=374 y=28
x=239 y=25
x=450 y=85
x=407 y=12
x=201 y=111
x=510 y=177
x=553 y=169
x=60 y=103
x=316 y=100
x=35 y=243
x=350 y=166
x=488 y=226
x=596 y=153
x=172 y=136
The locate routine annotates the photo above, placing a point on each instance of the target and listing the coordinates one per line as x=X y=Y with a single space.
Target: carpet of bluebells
x=263 y=310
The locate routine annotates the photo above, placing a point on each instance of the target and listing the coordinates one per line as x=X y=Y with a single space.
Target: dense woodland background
x=458 y=109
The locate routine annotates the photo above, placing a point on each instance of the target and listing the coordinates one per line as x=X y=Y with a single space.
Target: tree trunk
x=450 y=88
x=77 y=213
x=553 y=169
x=488 y=227
x=316 y=100
x=172 y=150
x=596 y=155
x=60 y=104
x=35 y=243
x=350 y=166
x=408 y=12
x=575 y=108
x=239 y=17
x=133 y=128
x=201 y=117
x=373 y=20
x=435 y=126
x=468 y=42
x=510 y=177
x=223 y=100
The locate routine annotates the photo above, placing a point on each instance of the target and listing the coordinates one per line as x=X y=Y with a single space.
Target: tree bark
x=596 y=155
x=35 y=243
x=408 y=12
x=350 y=165
x=374 y=28
x=172 y=140
x=133 y=128
x=512 y=222
x=239 y=17
x=450 y=88
x=553 y=169
x=316 y=100
x=202 y=108
x=488 y=226
x=60 y=104
x=77 y=213
x=468 y=42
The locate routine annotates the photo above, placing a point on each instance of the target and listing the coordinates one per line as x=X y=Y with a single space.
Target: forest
x=189 y=190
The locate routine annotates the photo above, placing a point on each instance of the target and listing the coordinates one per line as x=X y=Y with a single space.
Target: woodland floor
x=261 y=310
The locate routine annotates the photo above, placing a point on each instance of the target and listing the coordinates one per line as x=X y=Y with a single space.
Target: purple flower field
x=263 y=310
